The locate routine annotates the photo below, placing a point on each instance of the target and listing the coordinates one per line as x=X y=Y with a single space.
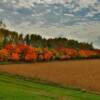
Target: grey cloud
x=80 y=18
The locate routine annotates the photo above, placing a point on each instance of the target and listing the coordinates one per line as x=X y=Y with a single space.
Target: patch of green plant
x=14 y=88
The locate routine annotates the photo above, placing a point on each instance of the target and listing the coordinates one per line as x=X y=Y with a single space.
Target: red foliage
x=4 y=55
x=9 y=47
x=87 y=53
x=31 y=57
x=28 y=53
x=68 y=53
x=47 y=54
x=15 y=57
x=21 y=47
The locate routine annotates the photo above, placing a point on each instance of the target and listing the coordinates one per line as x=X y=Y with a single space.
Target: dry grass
x=83 y=74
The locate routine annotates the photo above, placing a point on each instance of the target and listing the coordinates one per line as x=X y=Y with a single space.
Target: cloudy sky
x=77 y=19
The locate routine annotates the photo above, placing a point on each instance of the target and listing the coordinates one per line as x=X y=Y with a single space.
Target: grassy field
x=14 y=88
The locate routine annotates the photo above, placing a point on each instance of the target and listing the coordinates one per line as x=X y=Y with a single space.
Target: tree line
x=7 y=36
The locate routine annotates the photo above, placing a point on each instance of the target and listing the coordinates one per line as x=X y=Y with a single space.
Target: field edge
x=45 y=82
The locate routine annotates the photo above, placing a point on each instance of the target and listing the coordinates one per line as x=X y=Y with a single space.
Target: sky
x=73 y=19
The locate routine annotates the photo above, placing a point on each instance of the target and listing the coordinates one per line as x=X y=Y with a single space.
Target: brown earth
x=84 y=74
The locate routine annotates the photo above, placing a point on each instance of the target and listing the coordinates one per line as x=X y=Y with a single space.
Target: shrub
x=4 y=55
x=27 y=53
x=15 y=57
x=47 y=54
x=68 y=53
x=40 y=57
x=9 y=47
x=87 y=53
x=31 y=57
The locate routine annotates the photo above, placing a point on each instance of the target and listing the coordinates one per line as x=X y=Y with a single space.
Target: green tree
x=27 y=39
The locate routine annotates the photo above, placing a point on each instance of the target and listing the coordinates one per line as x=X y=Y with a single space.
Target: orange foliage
x=87 y=53
x=29 y=53
x=4 y=55
x=68 y=53
x=31 y=57
x=9 y=47
x=47 y=54
x=15 y=57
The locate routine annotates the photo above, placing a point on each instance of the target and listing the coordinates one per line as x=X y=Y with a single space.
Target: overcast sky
x=77 y=19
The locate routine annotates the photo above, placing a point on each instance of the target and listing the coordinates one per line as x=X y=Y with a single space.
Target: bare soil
x=84 y=74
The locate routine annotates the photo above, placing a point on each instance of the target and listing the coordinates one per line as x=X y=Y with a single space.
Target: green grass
x=14 y=88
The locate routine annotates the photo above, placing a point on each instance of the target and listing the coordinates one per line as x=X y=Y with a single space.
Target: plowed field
x=84 y=74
